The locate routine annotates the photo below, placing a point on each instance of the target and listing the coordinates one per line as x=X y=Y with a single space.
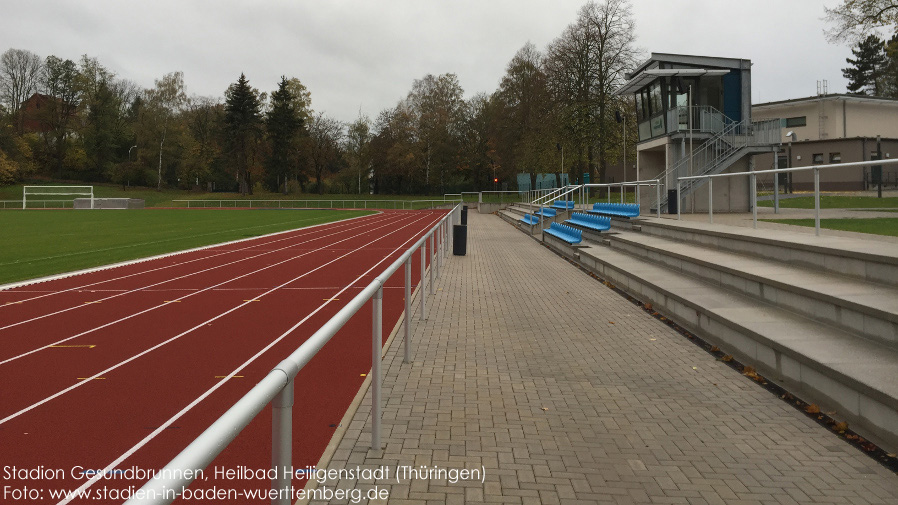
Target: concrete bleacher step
x=823 y=364
x=867 y=309
x=863 y=259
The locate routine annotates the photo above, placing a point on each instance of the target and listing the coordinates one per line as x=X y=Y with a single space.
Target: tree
x=866 y=68
x=242 y=129
x=59 y=80
x=439 y=106
x=202 y=119
x=889 y=77
x=584 y=66
x=854 y=20
x=283 y=125
x=19 y=77
x=326 y=134
x=163 y=102
x=357 y=148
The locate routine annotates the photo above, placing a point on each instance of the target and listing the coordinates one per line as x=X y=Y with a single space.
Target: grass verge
x=879 y=226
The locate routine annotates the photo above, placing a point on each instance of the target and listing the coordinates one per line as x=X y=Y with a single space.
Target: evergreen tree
x=242 y=129
x=865 y=70
x=283 y=124
x=889 y=79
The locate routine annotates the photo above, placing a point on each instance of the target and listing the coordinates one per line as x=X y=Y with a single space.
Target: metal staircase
x=717 y=153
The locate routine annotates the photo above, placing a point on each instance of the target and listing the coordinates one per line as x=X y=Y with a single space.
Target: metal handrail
x=277 y=387
x=283 y=204
x=651 y=182
x=754 y=184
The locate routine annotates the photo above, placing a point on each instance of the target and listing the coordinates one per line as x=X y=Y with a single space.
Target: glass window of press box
x=666 y=105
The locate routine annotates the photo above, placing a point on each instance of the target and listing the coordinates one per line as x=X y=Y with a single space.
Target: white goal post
x=57 y=191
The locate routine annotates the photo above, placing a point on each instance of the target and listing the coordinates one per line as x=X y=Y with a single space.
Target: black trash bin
x=672 y=201
x=464 y=215
x=459 y=239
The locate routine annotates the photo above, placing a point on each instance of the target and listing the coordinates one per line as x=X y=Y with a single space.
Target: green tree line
x=553 y=111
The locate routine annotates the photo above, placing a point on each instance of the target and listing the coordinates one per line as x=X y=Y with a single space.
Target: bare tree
x=326 y=135
x=20 y=72
x=854 y=20
x=584 y=66
x=165 y=100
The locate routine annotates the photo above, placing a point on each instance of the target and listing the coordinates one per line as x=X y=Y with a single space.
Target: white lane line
x=61 y=311
x=178 y=336
x=312 y=229
x=136 y=447
x=179 y=299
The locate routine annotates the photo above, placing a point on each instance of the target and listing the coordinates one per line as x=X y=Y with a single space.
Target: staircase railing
x=719 y=152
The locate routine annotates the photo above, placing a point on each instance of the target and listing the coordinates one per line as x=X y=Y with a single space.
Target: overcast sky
x=363 y=55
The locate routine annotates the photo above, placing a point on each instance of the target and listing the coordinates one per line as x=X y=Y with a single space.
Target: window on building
x=835 y=157
x=817 y=158
x=796 y=121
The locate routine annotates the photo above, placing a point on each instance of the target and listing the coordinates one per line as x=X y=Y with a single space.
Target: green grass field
x=834 y=202
x=169 y=197
x=37 y=243
x=879 y=226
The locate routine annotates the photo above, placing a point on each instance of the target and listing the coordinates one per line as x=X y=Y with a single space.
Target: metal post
x=658 y=197
x=423 y=288
x=816 y=201
x=754 y=200
x=432 y=256
x=376 y=344
x=776 y=183
x=678 y=200
x=710 y=199
x=408 y=310
x=282 y=444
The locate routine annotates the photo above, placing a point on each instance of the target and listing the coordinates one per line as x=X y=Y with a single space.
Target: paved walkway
x=562 y=391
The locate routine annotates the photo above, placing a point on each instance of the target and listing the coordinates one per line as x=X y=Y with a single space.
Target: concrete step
x=825 y=365
x=868 y=260
x=515 y=219
x=867 y=309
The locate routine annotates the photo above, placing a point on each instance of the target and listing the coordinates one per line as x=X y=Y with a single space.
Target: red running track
x=126 y=366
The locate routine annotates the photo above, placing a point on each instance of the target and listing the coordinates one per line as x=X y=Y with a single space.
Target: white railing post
x=754 y=200
x=816 y=201
x=423 y=288
x=282 y=444
x=776 y=184
x=658 y=195
x=678 y=200
x=376 y=344
x=710 y=199
x=432 y=257
x=408 y=310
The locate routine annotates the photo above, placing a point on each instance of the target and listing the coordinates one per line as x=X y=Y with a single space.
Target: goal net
x=51 y=194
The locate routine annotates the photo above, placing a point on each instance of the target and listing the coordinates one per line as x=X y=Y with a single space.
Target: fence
x=277 y=387
x=318 y=204
x=754 y=187
x=36 y=204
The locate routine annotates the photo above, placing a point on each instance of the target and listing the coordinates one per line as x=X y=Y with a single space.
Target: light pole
x=129 y=152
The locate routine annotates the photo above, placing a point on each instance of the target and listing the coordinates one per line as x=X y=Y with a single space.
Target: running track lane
x=144 y=370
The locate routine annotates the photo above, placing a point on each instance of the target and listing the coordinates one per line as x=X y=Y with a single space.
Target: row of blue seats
x=567 y=233
x=563 y=204
x=595 y=223
x=616 y=209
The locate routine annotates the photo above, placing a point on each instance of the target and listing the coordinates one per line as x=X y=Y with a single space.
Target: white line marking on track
x=181 y=298
x=18 y=323
x=208 y=392
x=314 y=228
x=178 y=336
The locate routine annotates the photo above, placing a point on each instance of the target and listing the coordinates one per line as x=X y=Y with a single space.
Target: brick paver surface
x=562 y=391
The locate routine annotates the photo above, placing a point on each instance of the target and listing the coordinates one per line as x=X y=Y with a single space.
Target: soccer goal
x=44 y=191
